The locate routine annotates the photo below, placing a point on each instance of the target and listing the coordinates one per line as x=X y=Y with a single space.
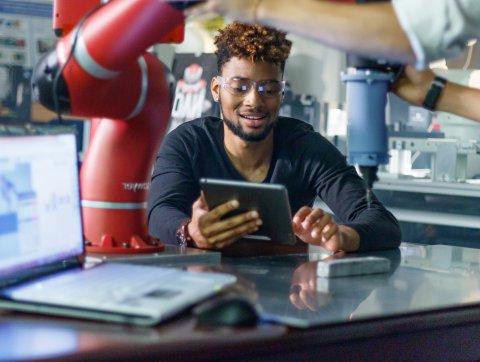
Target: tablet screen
x=270 y=200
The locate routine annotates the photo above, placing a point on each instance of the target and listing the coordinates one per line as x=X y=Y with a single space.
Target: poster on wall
x=25 y=35
x=25 y=31
x=191 y=97
x=15 y=94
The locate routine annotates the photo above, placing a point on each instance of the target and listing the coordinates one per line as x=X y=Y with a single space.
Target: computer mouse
x=231 y=311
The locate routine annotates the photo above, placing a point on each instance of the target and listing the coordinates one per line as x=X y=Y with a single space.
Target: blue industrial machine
x=367 y=83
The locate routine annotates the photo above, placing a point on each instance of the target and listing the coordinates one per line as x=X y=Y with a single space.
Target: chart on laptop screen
x=39 y=204
x=18 y=208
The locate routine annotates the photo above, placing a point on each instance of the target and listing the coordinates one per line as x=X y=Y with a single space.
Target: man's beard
x=238 y=131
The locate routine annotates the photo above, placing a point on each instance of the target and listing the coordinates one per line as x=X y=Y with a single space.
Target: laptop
x=42 y=251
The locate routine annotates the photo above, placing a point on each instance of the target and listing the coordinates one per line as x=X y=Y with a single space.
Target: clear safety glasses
x=241 y=86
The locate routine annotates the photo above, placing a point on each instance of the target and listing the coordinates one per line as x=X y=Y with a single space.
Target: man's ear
x=215 y=89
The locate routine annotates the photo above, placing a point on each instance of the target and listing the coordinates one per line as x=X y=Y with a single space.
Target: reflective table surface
x=421 y=298
x=421 y=278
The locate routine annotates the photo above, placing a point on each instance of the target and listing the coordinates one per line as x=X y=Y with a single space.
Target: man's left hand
x=315 y=226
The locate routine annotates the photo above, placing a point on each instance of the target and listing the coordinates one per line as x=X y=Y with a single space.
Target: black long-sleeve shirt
x=304 y=161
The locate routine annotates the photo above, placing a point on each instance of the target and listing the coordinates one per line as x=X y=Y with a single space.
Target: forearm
x=460 y=100
x=345 y=26
x=377 y=230
x=376 y=227
x=170 y=200
x=164 y=221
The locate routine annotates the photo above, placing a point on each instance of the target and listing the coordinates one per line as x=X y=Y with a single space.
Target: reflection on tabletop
x=421 y=278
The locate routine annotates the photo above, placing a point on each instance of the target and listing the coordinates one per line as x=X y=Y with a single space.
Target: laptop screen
x=40 y=219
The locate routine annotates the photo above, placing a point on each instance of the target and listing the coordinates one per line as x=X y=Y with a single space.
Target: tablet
x=270 y=200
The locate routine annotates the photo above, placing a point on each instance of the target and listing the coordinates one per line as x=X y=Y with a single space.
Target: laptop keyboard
x=109 y=284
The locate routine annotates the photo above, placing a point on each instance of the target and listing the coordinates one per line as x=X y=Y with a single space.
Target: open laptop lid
x=40 y=217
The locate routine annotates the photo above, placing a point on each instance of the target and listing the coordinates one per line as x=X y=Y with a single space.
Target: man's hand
x=303 y=288
x=241 y=10
x=208 y=231
x=413 y=85
x=315 y=226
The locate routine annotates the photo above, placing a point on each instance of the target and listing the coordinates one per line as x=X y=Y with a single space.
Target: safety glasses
x=241 y=86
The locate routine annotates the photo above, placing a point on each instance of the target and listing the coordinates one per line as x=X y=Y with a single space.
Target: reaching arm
x=460 y=100
x=344 y=193
x=370 y=30
x=340 y=187
x=348 y=27
x=455 y=98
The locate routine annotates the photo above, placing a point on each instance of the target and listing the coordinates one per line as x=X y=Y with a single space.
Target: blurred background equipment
x=368 y=81
x=15 y=95
x=301 y=106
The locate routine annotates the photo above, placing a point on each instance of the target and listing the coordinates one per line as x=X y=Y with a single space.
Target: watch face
x=182 y=242
x=180 y=238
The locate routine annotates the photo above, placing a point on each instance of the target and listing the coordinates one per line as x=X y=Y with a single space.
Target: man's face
x=250 y=116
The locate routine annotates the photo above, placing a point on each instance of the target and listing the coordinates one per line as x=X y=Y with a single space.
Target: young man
x=252 y=143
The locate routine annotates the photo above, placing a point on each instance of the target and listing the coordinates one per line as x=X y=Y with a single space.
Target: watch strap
x=434 y=92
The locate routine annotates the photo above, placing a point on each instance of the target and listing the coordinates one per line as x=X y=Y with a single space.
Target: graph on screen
x=39 y=198
x=18 y=209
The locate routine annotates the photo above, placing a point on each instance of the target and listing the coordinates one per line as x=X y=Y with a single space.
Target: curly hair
x=253 y=42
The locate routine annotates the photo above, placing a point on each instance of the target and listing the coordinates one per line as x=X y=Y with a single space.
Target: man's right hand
x=209 y=231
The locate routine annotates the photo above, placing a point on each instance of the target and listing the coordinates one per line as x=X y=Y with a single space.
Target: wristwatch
x=182 y=235
x=436 y=87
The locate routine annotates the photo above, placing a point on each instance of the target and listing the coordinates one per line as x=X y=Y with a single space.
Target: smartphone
x=348 y=266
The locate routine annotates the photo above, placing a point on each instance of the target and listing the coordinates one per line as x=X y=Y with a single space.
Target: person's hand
x=209 y=231
x=241 y=10
x=413 y=85
x=303 y=287
x=304 y=293
x=315 y=226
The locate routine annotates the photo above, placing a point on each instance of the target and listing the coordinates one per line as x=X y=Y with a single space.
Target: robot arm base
x=136 y=245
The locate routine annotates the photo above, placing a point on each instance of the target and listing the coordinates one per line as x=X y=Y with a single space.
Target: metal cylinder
x=367 y=132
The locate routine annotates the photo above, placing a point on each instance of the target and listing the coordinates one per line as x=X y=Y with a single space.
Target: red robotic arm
x=101 y=70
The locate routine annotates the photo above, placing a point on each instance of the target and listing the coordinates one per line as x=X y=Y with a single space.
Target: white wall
x=315 y=69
